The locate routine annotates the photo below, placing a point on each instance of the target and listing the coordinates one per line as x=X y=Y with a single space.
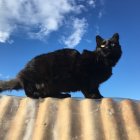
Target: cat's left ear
x=99 y=40
x=115 y=37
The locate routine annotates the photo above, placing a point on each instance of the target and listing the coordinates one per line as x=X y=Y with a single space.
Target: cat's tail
x=10 y=85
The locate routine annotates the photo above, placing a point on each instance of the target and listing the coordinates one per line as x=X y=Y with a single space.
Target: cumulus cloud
x=39 y=18
x=79 y=28
x=92 y=3
x=46 y=15
x=4 y=36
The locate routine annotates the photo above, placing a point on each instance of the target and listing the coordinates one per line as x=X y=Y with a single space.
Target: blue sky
x=32 y=27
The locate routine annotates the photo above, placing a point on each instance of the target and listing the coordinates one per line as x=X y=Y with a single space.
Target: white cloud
x=46 y=15
x=79 y=8
x=79 y=28
x=100 y=14
x=102 y=10
x=97 y=29
x=3 y=36
x=38 y=18
x=92 y=3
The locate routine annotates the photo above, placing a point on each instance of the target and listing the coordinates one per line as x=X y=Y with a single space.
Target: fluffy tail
x=10 y=85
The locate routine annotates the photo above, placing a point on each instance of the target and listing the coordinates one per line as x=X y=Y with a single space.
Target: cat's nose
x=107 y=43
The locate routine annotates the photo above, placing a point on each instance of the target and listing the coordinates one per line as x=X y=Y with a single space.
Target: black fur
x=66 y=70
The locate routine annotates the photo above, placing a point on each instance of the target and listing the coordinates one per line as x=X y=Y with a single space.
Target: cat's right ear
x=115 y=37
x=99 y=40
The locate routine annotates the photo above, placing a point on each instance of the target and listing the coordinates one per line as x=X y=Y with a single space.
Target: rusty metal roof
x=69 y=119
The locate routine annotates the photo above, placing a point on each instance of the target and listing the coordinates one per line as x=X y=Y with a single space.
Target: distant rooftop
x=69 y=119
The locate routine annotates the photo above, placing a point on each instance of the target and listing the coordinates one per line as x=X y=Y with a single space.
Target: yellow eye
x=102 y=46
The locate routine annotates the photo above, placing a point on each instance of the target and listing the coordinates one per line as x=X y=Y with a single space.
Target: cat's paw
x=64 y=95
x=94 y=96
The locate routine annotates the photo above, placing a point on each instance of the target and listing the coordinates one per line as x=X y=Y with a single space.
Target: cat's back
x=53 y=58
x=58 y=53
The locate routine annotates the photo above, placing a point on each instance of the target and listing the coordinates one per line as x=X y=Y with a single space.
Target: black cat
x=66 y=70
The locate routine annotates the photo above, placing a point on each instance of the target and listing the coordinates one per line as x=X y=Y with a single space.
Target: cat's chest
x=102 y=73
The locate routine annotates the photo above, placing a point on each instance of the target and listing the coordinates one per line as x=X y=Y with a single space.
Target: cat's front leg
x=92 y=93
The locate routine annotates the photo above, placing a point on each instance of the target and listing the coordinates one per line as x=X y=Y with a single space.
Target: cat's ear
x=115 y=37
x=99 y=40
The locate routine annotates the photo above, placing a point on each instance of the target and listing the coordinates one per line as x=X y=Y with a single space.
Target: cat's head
x=109 y=48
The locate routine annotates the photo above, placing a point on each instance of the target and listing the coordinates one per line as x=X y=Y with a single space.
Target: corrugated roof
x=69 y=119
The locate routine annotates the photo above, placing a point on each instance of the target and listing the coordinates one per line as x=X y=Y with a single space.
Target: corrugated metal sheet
x=68 y=119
